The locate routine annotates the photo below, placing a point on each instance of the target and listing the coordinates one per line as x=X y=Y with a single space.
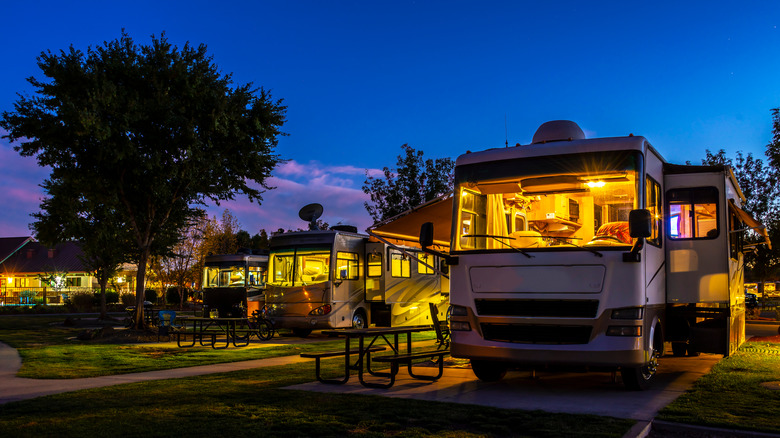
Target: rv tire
x=488 y=371
x=301 y=333
x=640 y=378
x=679 y=348
x=359 y=320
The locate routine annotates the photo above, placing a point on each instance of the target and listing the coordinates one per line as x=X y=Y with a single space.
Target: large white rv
x=335 y=278
x=594 y=252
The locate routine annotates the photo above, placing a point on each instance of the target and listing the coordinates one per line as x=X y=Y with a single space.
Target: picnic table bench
x=346 y=353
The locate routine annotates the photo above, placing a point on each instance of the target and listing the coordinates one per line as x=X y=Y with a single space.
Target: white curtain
x=496 y=222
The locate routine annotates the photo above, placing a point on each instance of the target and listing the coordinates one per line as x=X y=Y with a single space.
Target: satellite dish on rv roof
x=558 y=130
x=311 y=213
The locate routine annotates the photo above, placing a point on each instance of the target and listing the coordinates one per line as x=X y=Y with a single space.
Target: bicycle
x=260 y=326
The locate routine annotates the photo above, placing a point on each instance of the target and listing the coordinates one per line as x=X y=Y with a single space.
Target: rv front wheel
x=640 y=378
x=359 y=320
x=487 y=371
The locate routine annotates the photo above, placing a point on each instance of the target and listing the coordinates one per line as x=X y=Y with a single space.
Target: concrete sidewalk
x=565 y=392
x=14 y=388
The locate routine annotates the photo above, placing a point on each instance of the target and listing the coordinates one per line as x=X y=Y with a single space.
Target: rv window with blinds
x=400 y=265
x=374 y=264
x=693 y=213
x=426 y=259
x=346 y=266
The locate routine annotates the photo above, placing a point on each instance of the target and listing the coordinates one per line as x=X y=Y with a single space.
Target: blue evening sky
x=361 y=78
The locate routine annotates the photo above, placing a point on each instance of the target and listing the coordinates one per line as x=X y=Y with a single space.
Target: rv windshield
x=541 y=202
x=224 y=276
x=299 y=267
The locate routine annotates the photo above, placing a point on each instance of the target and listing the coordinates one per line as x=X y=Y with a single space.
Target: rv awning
x=750 y=222
x=406 y=226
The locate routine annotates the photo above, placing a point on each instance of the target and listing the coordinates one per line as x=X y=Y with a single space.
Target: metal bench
x=335 y=353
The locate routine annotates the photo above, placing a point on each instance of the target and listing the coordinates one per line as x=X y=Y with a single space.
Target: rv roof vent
x=345 y=228
x=558 y=130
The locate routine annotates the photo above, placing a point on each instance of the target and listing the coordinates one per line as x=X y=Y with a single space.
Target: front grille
x=538 y=308
x=537 y=334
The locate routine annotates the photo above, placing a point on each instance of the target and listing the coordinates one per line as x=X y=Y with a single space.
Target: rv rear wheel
x=301 y=333
x=487 y=371
x=359 y=320
x=679 y=348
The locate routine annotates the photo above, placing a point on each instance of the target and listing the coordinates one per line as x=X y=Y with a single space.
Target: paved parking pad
x=577 y=393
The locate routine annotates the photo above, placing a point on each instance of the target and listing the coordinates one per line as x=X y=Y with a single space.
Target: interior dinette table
x=369 y=340
x=214 y=328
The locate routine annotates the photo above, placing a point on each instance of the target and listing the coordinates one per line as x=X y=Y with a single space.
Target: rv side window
x=400 y=265
x=374 y=264
x=427 y=259
x=736 y=237
x=654 y=207
x=346 y=266
x=693 y=213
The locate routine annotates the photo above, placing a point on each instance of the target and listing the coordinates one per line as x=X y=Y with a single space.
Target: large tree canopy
x=414 y=181
x=148 y=132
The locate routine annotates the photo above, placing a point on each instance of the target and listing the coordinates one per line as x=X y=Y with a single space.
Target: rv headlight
x=459 y=311
x=628 y=313
x=458 y=326
x=624 y=330
x=322 y=310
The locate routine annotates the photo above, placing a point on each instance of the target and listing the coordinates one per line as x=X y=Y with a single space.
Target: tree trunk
x=103 y=307
x=139 y=290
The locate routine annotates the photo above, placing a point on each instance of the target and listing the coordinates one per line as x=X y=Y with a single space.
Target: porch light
x=595 y=184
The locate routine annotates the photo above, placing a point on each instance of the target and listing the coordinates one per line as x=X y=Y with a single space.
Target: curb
x=666 y=428
x=641 y=429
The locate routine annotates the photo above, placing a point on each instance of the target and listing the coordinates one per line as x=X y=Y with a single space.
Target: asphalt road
x=761 y=329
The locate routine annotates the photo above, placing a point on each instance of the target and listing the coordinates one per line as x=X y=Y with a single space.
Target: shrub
x=128 y=299
x=172 y=295
x=112 y=297
x=150 y=295
x=81 y=301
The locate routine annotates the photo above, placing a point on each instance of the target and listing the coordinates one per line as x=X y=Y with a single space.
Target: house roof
x=35 y=257
x=9 y=245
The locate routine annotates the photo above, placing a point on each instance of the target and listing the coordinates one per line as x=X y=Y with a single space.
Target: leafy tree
x=149 y=132
x=243 y=239
x=65 y=215
x=414 y=181
x=260 y=240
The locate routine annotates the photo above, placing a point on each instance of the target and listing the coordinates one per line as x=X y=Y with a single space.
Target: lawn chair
x=441 y=327
x=167 y=323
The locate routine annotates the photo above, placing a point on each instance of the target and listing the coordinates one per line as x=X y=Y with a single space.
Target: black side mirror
x=640 y=223
x=426 y=234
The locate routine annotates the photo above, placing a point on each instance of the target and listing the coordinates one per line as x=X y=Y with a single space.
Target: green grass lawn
x=731 y=396
x=49 y=351
x=243 y=403
x=253 y=403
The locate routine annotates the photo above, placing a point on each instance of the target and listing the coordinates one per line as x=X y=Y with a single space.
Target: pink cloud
x=337 y=188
